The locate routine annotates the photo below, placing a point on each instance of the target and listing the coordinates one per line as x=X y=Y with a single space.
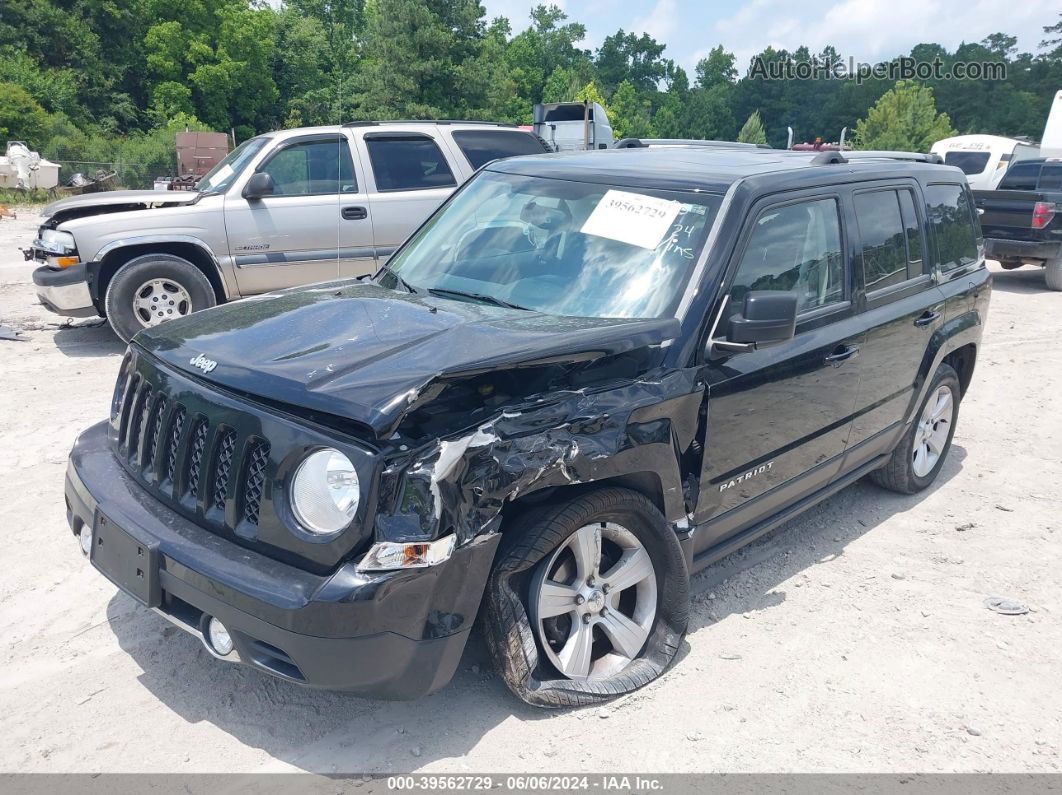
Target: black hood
x=366 y=353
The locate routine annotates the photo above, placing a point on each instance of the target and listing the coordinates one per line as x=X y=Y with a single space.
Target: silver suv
x=283 y=209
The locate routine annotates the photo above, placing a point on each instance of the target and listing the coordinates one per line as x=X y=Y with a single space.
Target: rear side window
x=1020 y=176
x=884 y=241
x=482 y=146
x=968 y=162
x=1050 y=178
x=408 y=162
x=795 y=247
x=952 y=221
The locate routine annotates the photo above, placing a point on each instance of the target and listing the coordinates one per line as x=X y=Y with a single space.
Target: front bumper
x=392 y=634
x=65 y=292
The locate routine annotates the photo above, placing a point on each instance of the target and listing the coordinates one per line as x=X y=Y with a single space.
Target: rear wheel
x=153 y=289
x=918 y=458
x=588 y=600
x=1053 y=273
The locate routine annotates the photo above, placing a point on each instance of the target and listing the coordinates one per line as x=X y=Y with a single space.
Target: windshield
x=222 y=175
x=559 y=247
x=969 y=162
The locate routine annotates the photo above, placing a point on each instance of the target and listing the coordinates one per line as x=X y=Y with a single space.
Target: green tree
x=716 y=69
x=629 y=113
x=904 y=119
x=21 y=118
x=752 y=130
x=550 y=42
x=637 y=60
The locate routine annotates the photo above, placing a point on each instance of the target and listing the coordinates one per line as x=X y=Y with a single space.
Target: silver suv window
x=407 y=162
x=312 y=168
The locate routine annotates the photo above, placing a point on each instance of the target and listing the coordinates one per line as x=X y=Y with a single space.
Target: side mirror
x=767 y=317
x=259 y=185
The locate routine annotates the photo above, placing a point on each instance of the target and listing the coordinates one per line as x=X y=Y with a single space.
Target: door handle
x=842 y=354
x=354 y=213
x=926 y=318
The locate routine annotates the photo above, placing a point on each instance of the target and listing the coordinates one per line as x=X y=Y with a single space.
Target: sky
x=868 y=30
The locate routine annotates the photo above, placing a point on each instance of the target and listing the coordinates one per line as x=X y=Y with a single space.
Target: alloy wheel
x=931 y=435
x=159 y=300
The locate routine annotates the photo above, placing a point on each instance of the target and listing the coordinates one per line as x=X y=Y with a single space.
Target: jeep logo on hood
x=203 y=363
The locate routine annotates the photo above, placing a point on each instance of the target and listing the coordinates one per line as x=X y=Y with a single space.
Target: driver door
x=779 y=416
x=291 y=237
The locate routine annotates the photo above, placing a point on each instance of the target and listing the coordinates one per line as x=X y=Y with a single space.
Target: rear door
x=778 y=417
x=409 y=176
x=903 y=308
x=291 y=237
x=357 y=250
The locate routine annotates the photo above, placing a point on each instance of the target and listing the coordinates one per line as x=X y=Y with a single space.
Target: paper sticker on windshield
x=632 y=218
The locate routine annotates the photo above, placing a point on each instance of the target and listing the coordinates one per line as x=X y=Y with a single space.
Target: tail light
x=1043 y=212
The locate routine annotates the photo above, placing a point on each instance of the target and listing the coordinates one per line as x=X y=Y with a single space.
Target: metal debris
x=8 y=333
x=1005 y=606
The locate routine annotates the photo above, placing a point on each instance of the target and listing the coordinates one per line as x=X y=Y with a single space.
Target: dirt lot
x=853 y=639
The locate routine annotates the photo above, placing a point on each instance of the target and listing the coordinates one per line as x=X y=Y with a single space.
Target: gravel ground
x=853 y=639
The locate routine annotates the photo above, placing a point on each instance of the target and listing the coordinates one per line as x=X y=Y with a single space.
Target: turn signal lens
x=390 y=556
x=63 y=262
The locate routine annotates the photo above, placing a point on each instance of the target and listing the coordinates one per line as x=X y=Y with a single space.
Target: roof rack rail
x=642 y=143
x=831 y=157
x=426 y=121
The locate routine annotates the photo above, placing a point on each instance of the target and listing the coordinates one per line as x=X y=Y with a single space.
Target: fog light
x=219 y=638
x=85 y=538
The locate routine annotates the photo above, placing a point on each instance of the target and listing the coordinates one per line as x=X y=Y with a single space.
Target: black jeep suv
x=584 y=378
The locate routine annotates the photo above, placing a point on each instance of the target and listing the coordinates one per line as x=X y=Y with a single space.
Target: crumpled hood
x=119 y=197
x=364 y=352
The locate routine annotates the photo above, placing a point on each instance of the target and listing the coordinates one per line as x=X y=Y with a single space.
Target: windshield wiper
x=483 y=297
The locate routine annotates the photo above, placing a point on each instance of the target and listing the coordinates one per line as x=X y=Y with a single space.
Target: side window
x=481 y=146
x=312 y=168
x=952 y=221
x=884 y=242
x=408 y=162
x=1051 y=177
x=795 y=247
x=1020 y=176
x=913 y=229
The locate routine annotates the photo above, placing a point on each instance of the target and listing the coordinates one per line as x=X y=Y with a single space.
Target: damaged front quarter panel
x=634 y=432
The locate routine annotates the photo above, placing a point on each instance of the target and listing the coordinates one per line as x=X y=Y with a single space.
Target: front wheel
x=153 y=289
x=588 y=600
x=920 y=455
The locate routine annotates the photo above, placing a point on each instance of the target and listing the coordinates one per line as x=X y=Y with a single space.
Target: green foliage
x=751 y=131
x=21 y=118
x=114 y=78
x=905 y=118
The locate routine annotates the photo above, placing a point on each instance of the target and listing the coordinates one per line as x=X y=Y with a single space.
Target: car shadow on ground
x=1020 y=280
x=87 y=338
x=329 y=732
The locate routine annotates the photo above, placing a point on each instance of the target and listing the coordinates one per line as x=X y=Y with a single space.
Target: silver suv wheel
x=592 y=623
x=159 y=300
x=934 y=428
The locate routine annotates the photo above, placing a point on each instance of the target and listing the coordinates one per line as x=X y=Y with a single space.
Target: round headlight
x=325 y=492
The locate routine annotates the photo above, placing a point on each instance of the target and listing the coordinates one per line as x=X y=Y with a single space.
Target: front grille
x=252 y=497
x=176 y=426
x=152 y=442
x=222 y=466
x=195 y=457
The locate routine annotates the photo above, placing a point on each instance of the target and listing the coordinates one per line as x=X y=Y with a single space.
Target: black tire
x=898 y=474
x=118 y=301
x=1053 y=273
x=508 y=631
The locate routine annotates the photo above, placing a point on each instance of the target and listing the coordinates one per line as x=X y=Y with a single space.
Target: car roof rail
x=877 y=154
x=640 y=143
x=426 y=121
